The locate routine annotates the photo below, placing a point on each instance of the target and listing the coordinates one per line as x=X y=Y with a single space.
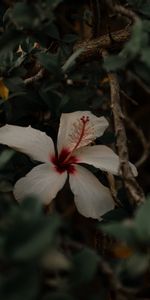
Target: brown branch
x=128 y=97
x=126 y=12
x=146 y=146
x=95 y=46
x=113 y=189
x=35 y=78
x=130 y=14
x=134 y=77
x=135 y=193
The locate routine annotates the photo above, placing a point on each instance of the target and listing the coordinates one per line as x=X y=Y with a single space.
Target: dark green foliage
x=53 y=253
x=134 y=233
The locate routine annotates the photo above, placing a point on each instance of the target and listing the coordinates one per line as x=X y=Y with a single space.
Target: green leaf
x=114 y=62
x=70 y=38
x=58 y=296
x=50 y=61
x=142 y=222
x=9 y=40
x=85 y=266
x=135 y=265
x=25 y=15
x=117 y=214
x=30 y=236
x=5 y=186
x=123 y=231
x=31 y=206
x=145 y=56
x=52 y=31
x=5 y=156
x=145 y=8
x=134 y=45
x=23 y=283
x=53 y=3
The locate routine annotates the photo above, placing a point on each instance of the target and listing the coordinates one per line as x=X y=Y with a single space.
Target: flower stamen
x=81 y=130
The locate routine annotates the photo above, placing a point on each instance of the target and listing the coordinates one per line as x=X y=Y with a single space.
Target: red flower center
x=64 y=162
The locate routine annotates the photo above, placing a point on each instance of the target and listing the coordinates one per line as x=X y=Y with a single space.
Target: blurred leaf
x=85 y=266
x=54 y=260
x=50 y=61
x=145 y=56
x=53 y=3
x=137 y=41
x=25 y=15
x=31 y=206
x=117 y=214
x=123 y=231
x=114 y=62
x=58 y=296
x=4 y=91
x=9 y=40
x=142 y=222
x=29 y=236
x=5 y=186
x=135 y=265
x=5 y=156
x=20 y=284
x=70 y=38
x=145 y=8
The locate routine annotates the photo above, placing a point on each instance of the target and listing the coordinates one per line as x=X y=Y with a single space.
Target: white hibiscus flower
x=76 y=133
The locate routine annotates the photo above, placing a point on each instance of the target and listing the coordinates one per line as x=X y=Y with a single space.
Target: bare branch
x=95 y=46
x=134 y=191
x=134 y=77
x=130 y=14
x=35 y=78
x=126 y=12
x=142 y=139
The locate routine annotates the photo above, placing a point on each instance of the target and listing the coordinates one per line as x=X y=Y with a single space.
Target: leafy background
x=58 y=254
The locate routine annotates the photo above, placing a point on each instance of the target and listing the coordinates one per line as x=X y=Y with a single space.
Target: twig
x=130 y=14
x=119 y=292
x=141 y=137
x=113 y=190
x=128 y=97
x=126 y=12
x=135 y=193
x=35 y=78
x=139 y=82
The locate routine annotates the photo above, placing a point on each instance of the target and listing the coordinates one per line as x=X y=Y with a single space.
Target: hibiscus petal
x=28 y=140
x=43 y=181
x=91 y=197
x=101 y=157
x=79 y=129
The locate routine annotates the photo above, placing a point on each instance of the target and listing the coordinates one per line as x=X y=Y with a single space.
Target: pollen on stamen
x=85 y=119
